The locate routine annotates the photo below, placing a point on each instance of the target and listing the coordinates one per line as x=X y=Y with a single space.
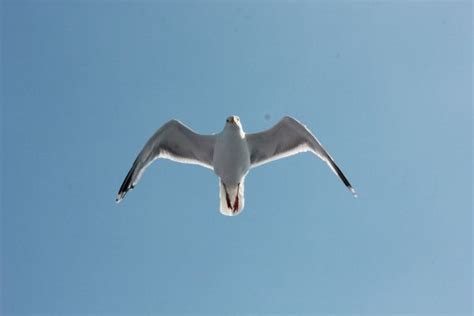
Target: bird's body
x=231 y=159
x=231 y=154
x=231 y=163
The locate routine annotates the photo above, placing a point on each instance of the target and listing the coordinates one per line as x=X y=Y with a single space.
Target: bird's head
x=233 y=121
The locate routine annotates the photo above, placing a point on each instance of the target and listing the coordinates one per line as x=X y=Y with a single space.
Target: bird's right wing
x=173 y=141
x=286 y=138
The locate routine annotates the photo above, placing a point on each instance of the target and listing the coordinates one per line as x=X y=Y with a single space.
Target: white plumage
x=231 y=154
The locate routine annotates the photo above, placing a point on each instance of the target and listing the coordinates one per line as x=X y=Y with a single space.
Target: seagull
x=230 y=154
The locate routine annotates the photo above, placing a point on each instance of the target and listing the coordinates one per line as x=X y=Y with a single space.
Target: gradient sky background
x=386 y=87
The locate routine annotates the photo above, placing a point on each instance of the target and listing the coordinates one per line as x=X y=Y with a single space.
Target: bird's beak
x=232 y=120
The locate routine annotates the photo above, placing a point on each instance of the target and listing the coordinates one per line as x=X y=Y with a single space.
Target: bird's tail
x=231 y=198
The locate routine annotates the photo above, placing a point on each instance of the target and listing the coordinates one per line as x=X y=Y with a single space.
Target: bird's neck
x=234 y=131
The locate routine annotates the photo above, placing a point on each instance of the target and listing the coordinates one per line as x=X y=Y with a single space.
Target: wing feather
x=287 y=138
x=174 y=141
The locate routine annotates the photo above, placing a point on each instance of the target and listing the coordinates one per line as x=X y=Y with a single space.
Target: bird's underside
x=231 y=198
x=177 y=142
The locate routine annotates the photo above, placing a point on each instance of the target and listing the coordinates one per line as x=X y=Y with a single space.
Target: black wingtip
x=343 y=178
x=120 y=196
x=123 y=191
x=354 y=193
x=127 y=184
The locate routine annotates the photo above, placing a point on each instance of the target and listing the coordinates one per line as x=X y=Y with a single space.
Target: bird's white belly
x=231 y=159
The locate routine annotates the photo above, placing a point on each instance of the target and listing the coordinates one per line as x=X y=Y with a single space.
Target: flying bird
x=230 y=154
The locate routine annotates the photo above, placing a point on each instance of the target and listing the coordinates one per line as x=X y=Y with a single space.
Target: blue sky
x=385 y=86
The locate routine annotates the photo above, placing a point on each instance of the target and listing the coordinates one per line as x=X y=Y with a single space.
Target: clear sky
x=386 y=87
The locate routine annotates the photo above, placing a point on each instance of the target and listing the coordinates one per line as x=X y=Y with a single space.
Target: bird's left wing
x=173 y=141
x=286 y=138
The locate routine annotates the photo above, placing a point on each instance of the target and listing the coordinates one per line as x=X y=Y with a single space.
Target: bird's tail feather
x=231 y=198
